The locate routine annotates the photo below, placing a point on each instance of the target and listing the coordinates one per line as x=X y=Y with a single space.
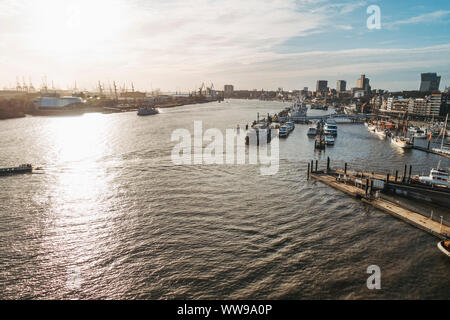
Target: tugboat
x=147 y=111
x=444 y=246
x=23 y=168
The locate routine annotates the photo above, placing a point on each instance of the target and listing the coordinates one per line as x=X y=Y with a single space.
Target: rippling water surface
x=110 y=207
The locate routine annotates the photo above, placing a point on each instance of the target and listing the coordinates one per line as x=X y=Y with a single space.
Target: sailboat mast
x=444 y=132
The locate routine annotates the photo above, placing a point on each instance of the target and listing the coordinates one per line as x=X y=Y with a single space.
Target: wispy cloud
x=431 y=17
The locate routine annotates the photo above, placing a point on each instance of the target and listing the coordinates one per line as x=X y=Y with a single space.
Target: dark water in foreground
x=110 y=207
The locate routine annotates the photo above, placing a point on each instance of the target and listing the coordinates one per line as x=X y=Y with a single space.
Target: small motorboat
x=329 y=140
x=284 y=132
x=290 y=126
x=312 y=131
x=380 y=132
x=444 y=246
x=147 y=111
x=420 y=134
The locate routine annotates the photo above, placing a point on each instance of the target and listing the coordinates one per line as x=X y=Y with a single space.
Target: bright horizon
x=178 y=45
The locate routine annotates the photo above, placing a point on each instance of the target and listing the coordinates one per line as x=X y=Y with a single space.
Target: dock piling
x=345 y=169
x=317 y=164
x=404 y=174
x=409 y=176
x=396 y=175
x=307 y=174
x=312 y=166
x=328 y=164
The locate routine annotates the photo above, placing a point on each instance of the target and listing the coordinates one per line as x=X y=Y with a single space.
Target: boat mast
x=444 y=131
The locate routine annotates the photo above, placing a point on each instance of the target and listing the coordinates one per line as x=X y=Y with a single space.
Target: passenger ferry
x=437 y=177
x=331 y=128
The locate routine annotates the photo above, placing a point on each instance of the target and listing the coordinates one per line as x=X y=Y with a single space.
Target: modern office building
x=322 y=86
x=341 y=86
x=430 y=82
x=363 y=83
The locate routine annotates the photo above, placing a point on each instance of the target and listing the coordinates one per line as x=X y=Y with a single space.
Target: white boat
x=444 y=246
x=312 y=131
x=437 y=177
x=420 y=135
x=380 y=132
x=412 y=129
x=331 y=128
x=371 y=128
x=401 y=142
x=329 y=140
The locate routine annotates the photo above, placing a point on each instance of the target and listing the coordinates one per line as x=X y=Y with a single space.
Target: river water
x=110 y=216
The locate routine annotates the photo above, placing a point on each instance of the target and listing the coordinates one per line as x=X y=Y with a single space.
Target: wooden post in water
x=371 y=187
x=404 y=174
x=328 y=164
x=312 y=166
x=396 y=175
x=307 y=175
x=409 y=176
x=387 y=179
x=345 y=169
x=317 y=164
x=367 y=186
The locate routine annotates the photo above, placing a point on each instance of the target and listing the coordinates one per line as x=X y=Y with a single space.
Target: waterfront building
x=419 y=107
x=341 y=85
x=434 y=104
x=430 y=82
x=228 y=90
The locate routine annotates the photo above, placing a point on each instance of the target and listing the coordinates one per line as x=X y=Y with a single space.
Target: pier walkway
x=358 y=188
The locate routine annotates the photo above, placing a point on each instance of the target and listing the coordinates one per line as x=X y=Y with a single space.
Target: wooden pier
x=367 y=189
x=431 y=151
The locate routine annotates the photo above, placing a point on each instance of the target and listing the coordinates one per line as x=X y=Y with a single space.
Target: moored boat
x=312 y=131
x=284 y=132
x=402 y=142
x=147 y=111
x=444 y=246
x=437 y=177
x=329 y=140
x=23 y=168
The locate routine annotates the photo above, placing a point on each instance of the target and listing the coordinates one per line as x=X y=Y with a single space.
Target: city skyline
x=171 y=46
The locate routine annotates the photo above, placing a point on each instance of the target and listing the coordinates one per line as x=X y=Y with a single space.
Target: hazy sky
x=177 y=45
